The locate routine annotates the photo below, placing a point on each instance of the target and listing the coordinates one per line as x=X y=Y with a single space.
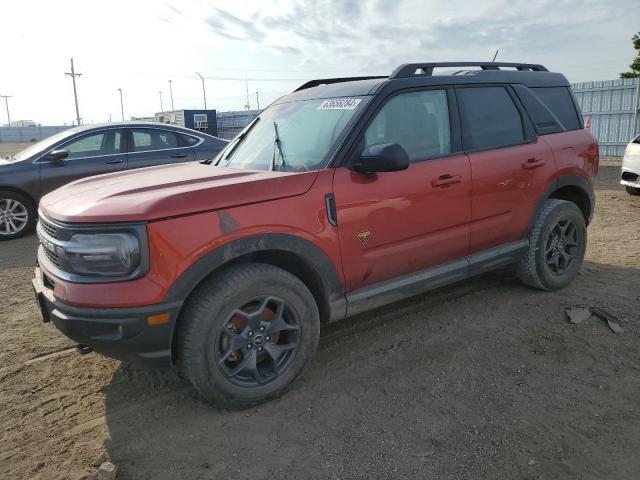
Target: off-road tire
x=632 y=190
x=30 y=209
x=202 y=322
x=533 y=269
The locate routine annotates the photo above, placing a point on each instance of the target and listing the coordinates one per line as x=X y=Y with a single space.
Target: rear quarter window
x=559 y=101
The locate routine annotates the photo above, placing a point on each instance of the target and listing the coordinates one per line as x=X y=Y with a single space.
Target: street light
x=171 y=93
x=6 y=101
x=204 y=92
x=121 y=104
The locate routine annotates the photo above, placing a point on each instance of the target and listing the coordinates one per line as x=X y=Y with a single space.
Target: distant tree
x=635 y=65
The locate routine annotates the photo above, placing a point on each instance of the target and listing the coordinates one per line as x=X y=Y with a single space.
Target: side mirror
x=57 y=155
x=382 y=157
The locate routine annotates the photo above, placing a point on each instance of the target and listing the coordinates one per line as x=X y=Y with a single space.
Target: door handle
x=532 y=163
x=445 y=180
x=114 y=161
x=178 y=155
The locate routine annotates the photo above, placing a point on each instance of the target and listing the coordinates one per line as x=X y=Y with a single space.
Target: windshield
x=291 y=136
x=41 y=146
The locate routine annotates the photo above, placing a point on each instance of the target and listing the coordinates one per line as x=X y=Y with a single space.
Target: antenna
x=494 y=57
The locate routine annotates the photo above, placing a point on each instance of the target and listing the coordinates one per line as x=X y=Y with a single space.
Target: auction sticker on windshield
x=339 y=104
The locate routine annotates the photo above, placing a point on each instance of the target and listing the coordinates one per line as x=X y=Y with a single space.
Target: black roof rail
x=409 y=69
x=327 y=81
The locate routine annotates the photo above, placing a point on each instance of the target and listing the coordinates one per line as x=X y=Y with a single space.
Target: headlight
x=105 y=254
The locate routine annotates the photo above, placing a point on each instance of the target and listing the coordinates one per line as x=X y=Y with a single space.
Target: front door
x=93 y=153
x=397 y=223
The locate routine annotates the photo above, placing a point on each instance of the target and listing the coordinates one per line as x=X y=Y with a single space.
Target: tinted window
x=490 y=119
x=544 y=120
x=418 y=121
x=558 y=100
x=151 y=139
x=103 y=143
x=189 y=140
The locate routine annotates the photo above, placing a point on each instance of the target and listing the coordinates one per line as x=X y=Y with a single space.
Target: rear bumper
x=121 y=333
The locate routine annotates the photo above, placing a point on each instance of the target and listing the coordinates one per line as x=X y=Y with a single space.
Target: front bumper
x=630 y=175
x=121 y=333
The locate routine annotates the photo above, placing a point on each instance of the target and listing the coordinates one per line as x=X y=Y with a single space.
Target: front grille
x=48 y=228
x=53 y=258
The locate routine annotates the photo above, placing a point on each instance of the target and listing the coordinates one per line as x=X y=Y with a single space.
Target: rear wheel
x=247 y=333
x=632 y=190
x=17 y=215
x=557 y=244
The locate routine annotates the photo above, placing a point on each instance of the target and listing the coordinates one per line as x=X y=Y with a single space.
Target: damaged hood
x=168 y=191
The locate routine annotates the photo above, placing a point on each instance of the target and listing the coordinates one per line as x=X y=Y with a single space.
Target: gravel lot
x=484 y=379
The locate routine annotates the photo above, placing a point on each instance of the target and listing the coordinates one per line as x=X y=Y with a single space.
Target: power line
x=73 y=76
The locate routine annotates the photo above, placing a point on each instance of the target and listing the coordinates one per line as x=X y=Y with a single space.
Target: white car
x=631 y=167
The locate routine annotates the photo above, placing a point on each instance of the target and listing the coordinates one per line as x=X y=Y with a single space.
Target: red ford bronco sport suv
x=343 y=196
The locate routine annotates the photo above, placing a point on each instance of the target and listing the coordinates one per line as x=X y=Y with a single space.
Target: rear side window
x=191 y=141
x=152 y=139
x=490 y=119
x=559 y=101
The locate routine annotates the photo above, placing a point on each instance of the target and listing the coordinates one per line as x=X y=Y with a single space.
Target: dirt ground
x=484 y=379
x=7 y=149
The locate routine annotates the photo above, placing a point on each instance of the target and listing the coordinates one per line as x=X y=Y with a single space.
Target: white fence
x=611 y=108
x=28 y=134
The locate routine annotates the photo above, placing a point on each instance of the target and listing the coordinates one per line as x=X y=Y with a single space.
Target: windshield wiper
x=278 y=147
x=238 y=141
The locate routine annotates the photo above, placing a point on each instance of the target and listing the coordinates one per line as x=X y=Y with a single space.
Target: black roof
x=422 y=74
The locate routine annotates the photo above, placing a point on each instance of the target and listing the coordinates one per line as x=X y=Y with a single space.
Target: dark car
x=85 y=151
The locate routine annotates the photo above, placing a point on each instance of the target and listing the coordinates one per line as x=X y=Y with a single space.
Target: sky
x=273 y=46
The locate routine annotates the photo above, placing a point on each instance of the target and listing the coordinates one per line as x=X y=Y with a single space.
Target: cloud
x=228 y=25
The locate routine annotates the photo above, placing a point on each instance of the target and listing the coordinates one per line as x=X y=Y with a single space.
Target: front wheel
x=557 y=244
x=247 y=333
x=17 y=215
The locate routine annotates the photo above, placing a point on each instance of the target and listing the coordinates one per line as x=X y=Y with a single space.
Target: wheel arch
x=573 y=188
x=11 y=188
x=289 y=252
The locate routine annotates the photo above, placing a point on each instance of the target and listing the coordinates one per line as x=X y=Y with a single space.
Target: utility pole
x=121 y=104
x=161 y=107
x=204 y=92
x=258 y=100
x=171 y=93
x=73 y=76
x=6 y=102
x=246 y=84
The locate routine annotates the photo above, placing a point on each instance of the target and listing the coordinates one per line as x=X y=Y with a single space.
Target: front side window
x=490 y=119
x=148 y=139
x=295 y=136
x=93 y=145
x=417 y=121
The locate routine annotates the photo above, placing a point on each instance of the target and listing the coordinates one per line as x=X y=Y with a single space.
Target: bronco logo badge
x=364 y=236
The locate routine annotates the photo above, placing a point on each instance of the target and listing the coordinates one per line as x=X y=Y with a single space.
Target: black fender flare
x=313 y=256
x=569 y=179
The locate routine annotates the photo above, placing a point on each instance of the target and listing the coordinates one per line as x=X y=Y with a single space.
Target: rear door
x=395 y=223
x=510 y=165
x=92 y=153
x=157 y=146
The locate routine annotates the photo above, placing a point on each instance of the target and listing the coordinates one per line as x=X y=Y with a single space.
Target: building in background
x=611 y=111
x=23 y=123
x=201 y=120
x=231 y=123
